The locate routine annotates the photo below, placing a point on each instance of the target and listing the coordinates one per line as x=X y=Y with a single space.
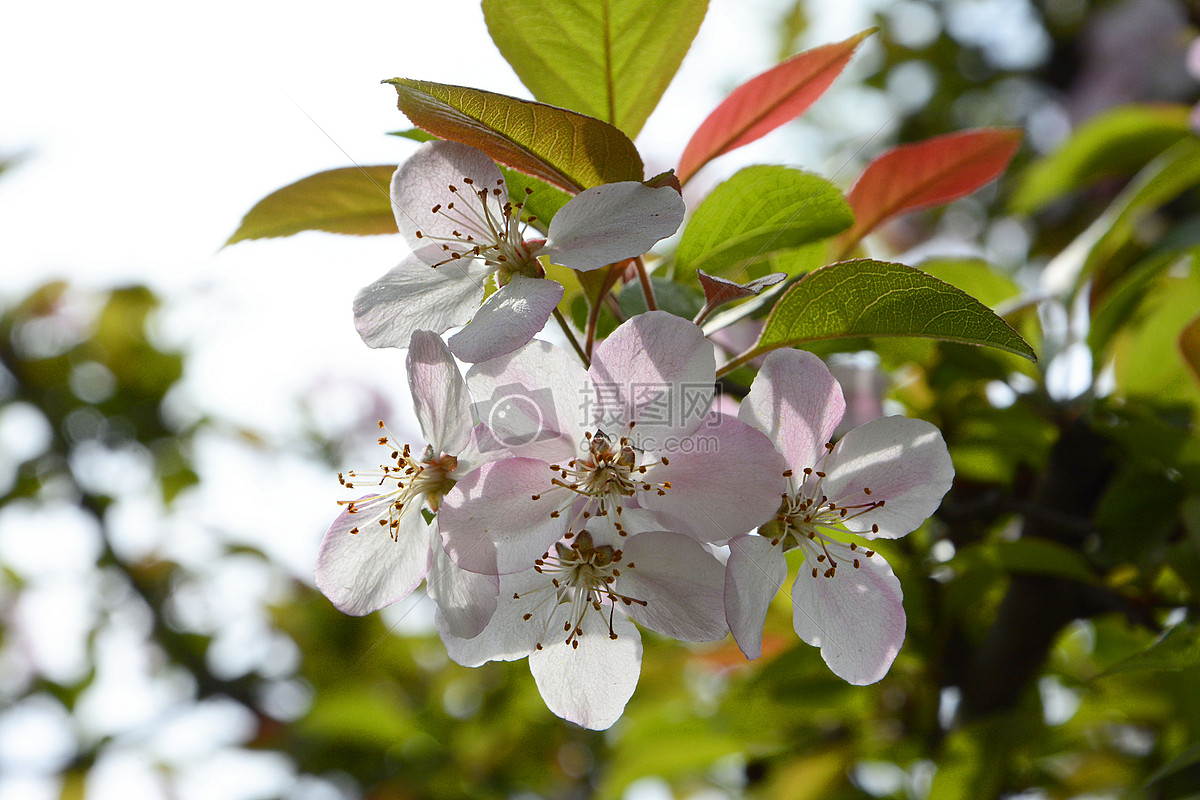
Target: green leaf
x=415 y=134
x=1033 y=556
x=1162 y=180
x=353 y=200
x=1146 y=355
x=758 y=212
x=677 y=298
x=1116 y=142
x=1189 y=346
x=568 y=150
x=975 y=277
x=1178 y=649
x=878 y=298
x=543 y=202
x=610 y=59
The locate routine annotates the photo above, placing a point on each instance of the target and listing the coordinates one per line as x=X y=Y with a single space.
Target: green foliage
x=352 y=200
x=620 y=58
x=758 y=212
x=876 y=298
x=1117 y=142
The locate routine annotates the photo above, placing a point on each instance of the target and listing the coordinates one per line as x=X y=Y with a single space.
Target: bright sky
x=145 y=131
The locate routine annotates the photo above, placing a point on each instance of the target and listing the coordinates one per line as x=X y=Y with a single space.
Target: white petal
x=590 y=684
x=508 y=636
x=856 y=616
x=797 y=403
x=612 y=222
x=725 y=479
x=415 y=296
x=365 y=571
x=466 y=601
x=439 y=394
x=535 y=399
x=508 y=319
x=681 y=584
x=755 y=571
x=657 y=370
x=905 y=464
x=423 y=182
x=490 y=522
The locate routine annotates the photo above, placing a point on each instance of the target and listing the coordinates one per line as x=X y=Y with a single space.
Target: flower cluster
x=563 y=502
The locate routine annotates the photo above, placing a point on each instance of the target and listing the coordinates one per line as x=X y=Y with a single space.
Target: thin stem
x=562 y=323
x=594 y=310
x=647 y=287
x=744 y=358
x=704 y=312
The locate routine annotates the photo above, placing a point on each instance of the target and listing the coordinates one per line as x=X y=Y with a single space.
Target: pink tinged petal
x=797 y=403
x=856 y=616
x=439 y=394
x=490 y=522
x=681 y=584
x=590 y=684
x=508 y=319
x=657 y=370
x=366 y=571
x=466 y=601
x=508 y=636
x=423 y=182
x=755 y=571
x=905 y=464
x=610 y=223
x=725 y=479
x=535 y=400
x=415 y=296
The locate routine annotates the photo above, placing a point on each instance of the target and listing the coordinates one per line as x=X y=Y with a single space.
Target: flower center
x=485 y=226
x=581 y=576
x=807 y=515
x=605 y=476
x=408 y=481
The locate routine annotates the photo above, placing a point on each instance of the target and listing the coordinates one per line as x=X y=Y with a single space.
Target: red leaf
x=763 y=103
x=927 y=173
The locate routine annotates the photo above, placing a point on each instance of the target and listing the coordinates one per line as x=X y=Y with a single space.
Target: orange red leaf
x=763 y=103
x=927 y=173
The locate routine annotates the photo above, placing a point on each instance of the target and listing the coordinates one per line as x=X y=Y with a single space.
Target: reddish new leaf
x=763 y=103
x=927 y=173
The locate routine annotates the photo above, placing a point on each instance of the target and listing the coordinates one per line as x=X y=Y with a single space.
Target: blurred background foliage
x=1052 y=648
